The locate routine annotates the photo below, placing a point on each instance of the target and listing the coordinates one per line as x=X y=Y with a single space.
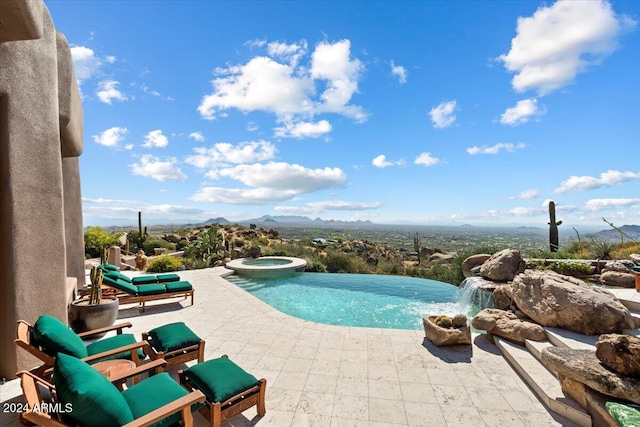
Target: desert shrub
x=444 y=273
x=315 y=266
x=163 y=264
x=602 y=249
x=182 y=244
x=195 y=264
x=150 y=244
x=96 y=238
x=340 y=263
x=572 y=268
x=547 y=254
x=623 y=250
x=388 y=267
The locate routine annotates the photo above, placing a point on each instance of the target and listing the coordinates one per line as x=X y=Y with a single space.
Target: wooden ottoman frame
x=219 y=412
x=175 y=357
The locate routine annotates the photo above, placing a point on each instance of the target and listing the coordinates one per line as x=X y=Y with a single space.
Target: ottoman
x=175 y=343
x=228 y=388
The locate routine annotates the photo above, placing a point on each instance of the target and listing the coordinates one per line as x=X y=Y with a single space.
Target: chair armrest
x=130 y=347
x=170 y=408
x=118 y=328
x=154 y=365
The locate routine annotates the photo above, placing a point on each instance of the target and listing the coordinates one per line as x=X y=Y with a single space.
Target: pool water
x=367 y=300
x=266 y=261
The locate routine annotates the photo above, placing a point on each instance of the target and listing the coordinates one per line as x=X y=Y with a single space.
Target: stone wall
x=41 y=138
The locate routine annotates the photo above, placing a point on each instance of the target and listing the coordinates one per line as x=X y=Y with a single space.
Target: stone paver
x=324 y=375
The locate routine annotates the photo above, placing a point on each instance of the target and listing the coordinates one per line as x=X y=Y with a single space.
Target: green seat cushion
x=178 y=286
x=171 y=277
x=636 y=268
x=151 y=289
x=219 y=379
x=626 y=415
x=172 y=336
x=153 y=393
x=115 y=275
x=120 y=285
x=110 y=343
x=93 y=399
x=108 y=267
x=53 y=337
x=144 y=280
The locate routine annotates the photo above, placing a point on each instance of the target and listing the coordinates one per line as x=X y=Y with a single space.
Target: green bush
x=150 y=244
x=340 y=263
x=163 y=264
x=572 y=268
x=602 y=249
x=96 y=238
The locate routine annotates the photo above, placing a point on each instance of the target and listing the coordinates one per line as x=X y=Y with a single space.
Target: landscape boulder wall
x=472 y=264
x=507 y=325
x=503 y=266
x=618 y=273
x=555 y=300
x=620 y=353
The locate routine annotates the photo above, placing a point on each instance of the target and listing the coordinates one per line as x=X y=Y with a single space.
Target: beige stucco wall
x=39 y=192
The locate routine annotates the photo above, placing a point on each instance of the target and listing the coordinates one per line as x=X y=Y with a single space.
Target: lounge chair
x=49 y=336
x=84 y=397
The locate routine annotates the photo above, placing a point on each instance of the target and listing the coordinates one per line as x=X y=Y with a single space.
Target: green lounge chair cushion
x=151 y=289
x=219 y=379
x=53 y=337
x=173 y=336
x=120 y=285
x=152 y=393
x=94 y=400
x=108 y=267
x=636 y=268
x=163 y=278
x=110 y=343
x=115 y=275
x=625 y=415
x=178 y=286
x=144 y=280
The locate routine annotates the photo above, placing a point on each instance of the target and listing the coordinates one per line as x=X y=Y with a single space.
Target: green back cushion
x=172 y=336
x=115 y=275
x=111 y=343
x=95 y=401
x=152 y=393
x=108 y=267
x=53 y=337
x=120 y=284
x=219 y=379
x=178 y=286
x=626 y=415
x=144 y=280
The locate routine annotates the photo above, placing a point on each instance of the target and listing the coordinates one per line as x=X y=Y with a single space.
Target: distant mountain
x=303 y=221
x=219 y=220
x=611 y=234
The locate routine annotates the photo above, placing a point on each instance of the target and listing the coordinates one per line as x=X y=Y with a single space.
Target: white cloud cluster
x=197 y=136
x=341 y=205
x=223 y=154
x=85 y=62
x=495 y=149
x=606 y=179
x=108 y=92
x=399 y=71
x=559 y=41
x=527 y=194
x=382 y=162
x=303 y=129
x=522 y=112
x=155 y=138
x=595 y=205
x=426 y=159
x=114 y=208
x=443 y=115
x=158 y=169
x=111 y=137
x=288 y=90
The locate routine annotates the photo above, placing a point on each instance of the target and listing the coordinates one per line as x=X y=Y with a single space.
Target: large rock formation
x=618 y=279
x=620 y=353
x=457 y=333
x=472 y=264
x=584 y=367
x=552 y=299
x=507 y=325
x=503 y=266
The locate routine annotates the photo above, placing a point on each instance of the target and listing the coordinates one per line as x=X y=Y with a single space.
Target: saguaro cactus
x=553 y=228
x=416 y=245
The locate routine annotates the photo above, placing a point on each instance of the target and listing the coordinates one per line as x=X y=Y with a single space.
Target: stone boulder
x=621 y=265
x=458 y=333
x=584 y=367
x=469 y=265
x=635 y=258
x=620 y=353
x=502 y=297
x=503 y=266
x=552 y=299
x=618 y=279
x=438 y=258
x=172 y=238
x=507 y=325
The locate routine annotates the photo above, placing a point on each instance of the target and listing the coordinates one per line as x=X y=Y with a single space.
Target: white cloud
x=107 y=92
x=155 y=138
x=595 y=205
x=303 y=129
x=197 y=136
x=166 y=209
x=495 y=149
x=102 y=201
x=606 y=179
x=290 y=53
x=341 y=205
x=426 y=159
x=560 y=41
x=382 y=162
x=527 y=195
x=399 y=71
x=223 y=153
x=443 y=115
x=154 y=167
x=85 y=62
x=111 y=137
x=242 y=196
x=521 y=113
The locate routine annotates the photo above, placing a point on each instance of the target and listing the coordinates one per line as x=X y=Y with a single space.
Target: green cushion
x=53 y=336
x=168 y=278
x=95 y=401
x=626 y=415
x=115 y=275
x=151 y=289
x=172 y=336
x=219 y=379
x=120 y=285
x=110 y=343
x=144 y=280
x=636 y=268
x=178 y=286
x=108 y=267
x=152 y=393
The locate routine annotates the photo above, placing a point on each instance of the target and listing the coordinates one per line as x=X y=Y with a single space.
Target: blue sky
x=429 y=112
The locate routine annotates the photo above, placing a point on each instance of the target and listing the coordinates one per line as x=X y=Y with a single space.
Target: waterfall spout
x=476 y=294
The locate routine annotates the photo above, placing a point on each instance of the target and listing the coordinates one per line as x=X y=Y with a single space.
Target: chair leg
x=201 y=351
x=261 y=407
x=215 y=414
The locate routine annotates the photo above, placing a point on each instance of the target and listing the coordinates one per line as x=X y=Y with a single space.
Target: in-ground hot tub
x=267 y=265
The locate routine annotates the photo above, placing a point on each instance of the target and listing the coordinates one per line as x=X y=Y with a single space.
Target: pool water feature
x=366 y=300
x=268 y=265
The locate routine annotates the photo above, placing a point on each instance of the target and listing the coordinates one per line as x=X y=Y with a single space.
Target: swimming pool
x=367 y=300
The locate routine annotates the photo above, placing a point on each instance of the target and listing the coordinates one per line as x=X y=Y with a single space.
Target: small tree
x=96 y=239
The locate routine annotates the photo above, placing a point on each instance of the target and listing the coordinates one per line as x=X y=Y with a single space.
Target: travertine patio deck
x=322 y=375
